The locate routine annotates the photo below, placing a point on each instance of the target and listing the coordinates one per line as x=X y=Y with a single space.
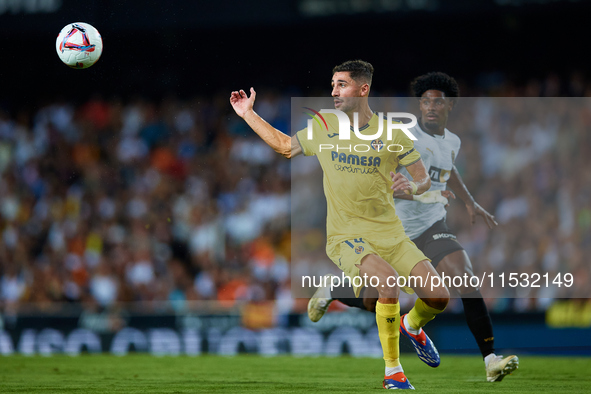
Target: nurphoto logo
x=344 y=133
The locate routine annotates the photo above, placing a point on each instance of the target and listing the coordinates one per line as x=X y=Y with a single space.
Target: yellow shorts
x=347 y=254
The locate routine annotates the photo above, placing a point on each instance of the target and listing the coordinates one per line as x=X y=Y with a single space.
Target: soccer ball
x=79 y=45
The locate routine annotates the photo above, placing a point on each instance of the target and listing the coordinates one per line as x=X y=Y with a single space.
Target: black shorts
x=437 y=242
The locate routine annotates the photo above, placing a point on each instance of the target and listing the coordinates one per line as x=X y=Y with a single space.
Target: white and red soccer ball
x=79 y=45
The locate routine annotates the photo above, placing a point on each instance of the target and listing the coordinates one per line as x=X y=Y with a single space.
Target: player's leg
x=409 y=261
x=477 y=316
x=431 y=301
x=424 y=311
x=433 y=295
x=457 y=264
x=387 y=316
x=358 y=258
x=429 y=304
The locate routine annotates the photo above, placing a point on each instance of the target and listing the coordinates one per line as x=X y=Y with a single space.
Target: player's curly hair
x=359 y=70
x=435 y=81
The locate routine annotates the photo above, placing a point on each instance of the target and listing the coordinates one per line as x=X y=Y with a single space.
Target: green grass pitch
x=253 y=374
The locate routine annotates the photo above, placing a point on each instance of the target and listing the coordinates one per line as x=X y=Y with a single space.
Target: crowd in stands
x=106 y=202
x=173 y=201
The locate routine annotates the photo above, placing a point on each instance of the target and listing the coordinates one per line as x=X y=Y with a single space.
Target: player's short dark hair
x=359 y=70
x=435 y=81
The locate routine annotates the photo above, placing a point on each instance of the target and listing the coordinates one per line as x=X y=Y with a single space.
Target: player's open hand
x=476 y=209
x=401 y=185
x=241 y=102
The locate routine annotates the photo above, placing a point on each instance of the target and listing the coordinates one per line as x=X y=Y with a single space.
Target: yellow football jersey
x=357 y=177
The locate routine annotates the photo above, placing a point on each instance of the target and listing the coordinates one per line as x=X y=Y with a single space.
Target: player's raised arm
x=281 y=143
x=420 y=183
x=457 y=185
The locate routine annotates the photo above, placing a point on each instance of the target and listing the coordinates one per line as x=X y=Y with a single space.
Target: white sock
x=413 y=331
x=393 y=370
x=488 y=358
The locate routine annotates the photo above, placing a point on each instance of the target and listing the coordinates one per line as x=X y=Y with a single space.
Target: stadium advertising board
x=351 y=332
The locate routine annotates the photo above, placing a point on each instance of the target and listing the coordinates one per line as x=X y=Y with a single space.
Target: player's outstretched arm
x=281 y=143
x=456 y=183
x=403 y=188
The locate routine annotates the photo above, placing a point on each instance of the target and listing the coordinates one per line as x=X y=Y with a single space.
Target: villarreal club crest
x=377 y=145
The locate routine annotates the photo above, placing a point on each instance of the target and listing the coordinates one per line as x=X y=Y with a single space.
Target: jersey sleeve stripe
x=410 y=164
x=402 y=156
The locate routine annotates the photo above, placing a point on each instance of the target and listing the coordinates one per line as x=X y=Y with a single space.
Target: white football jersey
x=438 y=154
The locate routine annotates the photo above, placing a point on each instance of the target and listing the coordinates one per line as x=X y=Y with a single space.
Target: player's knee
x=438 y=303
x=439 y=299
x=379 y=275
x=388 y=287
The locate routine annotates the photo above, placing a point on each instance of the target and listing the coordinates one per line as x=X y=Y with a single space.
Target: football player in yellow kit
x=365 y=237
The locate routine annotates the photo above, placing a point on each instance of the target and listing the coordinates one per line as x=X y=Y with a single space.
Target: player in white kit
x=423 y=218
